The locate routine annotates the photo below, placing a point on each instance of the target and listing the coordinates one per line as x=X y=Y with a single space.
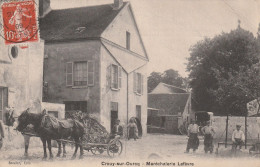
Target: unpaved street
x=151 y=148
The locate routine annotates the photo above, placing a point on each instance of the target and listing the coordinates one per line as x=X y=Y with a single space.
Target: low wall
x=219 y=124
x=60 y=108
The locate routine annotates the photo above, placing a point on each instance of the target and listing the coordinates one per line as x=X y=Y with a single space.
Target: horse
x=49 y=128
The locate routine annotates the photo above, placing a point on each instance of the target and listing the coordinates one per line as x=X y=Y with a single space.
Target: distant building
x=95 y=61
x=173 y=107
x=163 y=88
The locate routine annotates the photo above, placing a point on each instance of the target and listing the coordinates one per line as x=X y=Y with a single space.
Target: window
x=75 y=105
x=138 y=83
x=128 y=36
x=115 y=76
x=3 y=101
x=80 y=73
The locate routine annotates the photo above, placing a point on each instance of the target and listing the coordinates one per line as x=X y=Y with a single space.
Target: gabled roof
x=77 y=23
x=170 y=103
x=163 y=88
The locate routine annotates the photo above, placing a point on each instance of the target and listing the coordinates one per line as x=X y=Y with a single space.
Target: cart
x=113 y=148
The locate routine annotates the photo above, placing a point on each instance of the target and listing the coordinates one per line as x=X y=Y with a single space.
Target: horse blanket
x=49 y=121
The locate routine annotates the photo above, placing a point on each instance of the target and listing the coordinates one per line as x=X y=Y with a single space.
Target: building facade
x=21 y=71
x=95 y=61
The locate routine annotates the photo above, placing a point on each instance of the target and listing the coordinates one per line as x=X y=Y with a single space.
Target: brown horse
x=49 y=128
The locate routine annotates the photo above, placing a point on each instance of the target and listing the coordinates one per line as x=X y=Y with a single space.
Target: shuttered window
x=128 y=40
x=115 y=77
x=119 y=77
x=80 y=73
x=69 y=74
x=90 y=73
x=138 y=83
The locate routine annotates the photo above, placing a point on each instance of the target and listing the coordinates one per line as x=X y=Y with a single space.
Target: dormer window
x=128 y=36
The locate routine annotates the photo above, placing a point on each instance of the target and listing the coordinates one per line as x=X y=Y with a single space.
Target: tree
x=153 y=80
x=170 y=76
x=215 y=63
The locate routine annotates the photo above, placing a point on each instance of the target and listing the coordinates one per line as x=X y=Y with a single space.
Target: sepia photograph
x=135 y=83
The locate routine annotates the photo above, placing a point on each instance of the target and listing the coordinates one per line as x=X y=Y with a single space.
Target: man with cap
x=117 y=130
x=193 y=141
x=238 y=138
x=208 y=132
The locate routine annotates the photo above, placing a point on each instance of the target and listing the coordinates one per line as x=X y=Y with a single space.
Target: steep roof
x=68 y=24
x=163 y=88
x=170 y=103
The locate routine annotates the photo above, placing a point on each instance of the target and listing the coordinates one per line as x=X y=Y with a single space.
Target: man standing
x=208 y=132
x=193 y=141
x=238 y=138
x=117 y=129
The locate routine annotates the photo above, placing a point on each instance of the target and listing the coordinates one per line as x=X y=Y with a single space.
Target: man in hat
x=208 y=132
x=238 y=138
x=117 y=130
x=193 y=141
x=9 y=116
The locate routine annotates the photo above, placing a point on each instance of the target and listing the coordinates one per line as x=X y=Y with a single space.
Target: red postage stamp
x=19 y=22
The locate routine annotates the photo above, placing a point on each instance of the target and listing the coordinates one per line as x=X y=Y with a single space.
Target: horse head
x=23 y=120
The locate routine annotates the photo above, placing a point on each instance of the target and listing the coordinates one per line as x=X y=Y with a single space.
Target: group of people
x=117 y=130
x=238 y=137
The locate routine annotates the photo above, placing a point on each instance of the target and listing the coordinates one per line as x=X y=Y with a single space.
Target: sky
x=170 y=27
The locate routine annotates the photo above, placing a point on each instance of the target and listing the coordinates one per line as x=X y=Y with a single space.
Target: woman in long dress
x=132 y=130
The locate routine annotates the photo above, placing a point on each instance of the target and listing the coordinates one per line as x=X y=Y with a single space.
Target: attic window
x=80 y=29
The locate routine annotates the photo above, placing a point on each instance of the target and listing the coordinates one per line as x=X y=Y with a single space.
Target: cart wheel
x=96 y=151
x=114 y=148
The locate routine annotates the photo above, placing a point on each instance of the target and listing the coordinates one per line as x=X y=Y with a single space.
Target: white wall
x=108 y=95
x=116 y=31
x=60 y=108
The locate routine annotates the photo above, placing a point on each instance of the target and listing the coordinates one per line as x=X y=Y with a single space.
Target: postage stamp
x=19 y=21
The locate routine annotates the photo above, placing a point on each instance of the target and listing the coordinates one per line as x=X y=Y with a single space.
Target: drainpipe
x=127 y=98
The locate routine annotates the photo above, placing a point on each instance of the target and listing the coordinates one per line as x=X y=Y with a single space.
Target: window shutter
x=90 y=73
x=69 y=74
x=142 y=84
x=119 y=77
x=109 y=77
x=135 y=85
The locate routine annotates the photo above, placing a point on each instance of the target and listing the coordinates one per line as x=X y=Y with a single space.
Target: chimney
x=118 y=4
x=44 y=7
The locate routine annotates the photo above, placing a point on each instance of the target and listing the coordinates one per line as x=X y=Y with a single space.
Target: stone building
x=95 y=61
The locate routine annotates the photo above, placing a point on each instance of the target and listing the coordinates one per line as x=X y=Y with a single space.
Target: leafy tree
x=169 y=76
x=172 y=77
x=236 y=90
x=215 y=63
x=153 y=80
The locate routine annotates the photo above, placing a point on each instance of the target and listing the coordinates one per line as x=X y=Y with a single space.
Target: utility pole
x=246 y=130
x=226 y=132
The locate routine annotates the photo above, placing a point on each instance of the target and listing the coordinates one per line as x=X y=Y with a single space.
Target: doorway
x=139 y=112
x=113 y=114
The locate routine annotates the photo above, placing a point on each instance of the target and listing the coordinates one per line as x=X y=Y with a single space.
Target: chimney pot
x=118 y=4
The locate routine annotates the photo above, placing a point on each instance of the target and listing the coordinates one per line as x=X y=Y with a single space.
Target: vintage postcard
x=136 y=83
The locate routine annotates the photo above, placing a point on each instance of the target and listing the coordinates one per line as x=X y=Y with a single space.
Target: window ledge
x=79 y=87
x=138 y=94
x=115 y=89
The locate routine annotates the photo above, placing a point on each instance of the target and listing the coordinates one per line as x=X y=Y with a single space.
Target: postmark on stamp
x=19 y=21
